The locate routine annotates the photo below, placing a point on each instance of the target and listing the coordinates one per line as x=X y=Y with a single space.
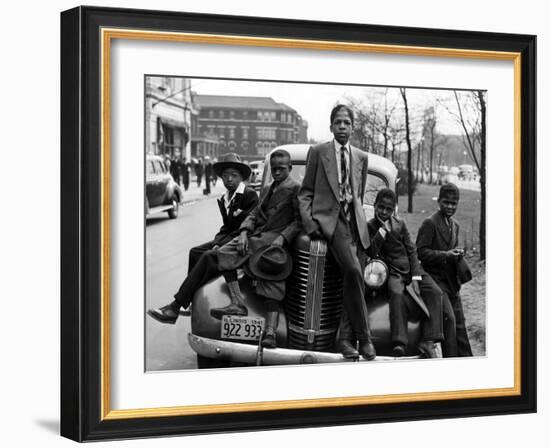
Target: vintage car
x=309 y=321
x=162 y=193
x=255 y=181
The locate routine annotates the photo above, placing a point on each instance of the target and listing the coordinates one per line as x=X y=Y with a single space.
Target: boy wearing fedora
x=235 y=204
x=437 y=244
x=273 y=224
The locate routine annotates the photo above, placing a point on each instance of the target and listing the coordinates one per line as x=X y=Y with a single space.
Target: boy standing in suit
x=391 y=242
x=437 y=243
x=331 y=207
x=235 y=204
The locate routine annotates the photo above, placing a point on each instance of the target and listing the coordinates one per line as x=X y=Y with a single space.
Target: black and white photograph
x=292 y=223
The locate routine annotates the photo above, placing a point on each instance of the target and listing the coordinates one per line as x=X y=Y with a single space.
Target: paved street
x=167 y=246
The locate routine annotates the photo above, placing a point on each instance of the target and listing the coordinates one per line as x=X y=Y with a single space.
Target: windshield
x=375 y=182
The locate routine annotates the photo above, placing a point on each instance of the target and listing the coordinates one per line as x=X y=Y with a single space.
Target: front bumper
x=248 y=354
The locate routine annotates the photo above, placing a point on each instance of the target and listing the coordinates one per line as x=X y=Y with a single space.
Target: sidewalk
x=194 y=193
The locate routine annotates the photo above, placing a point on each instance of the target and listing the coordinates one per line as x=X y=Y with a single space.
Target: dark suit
x=241 y=206
x=399 y=253
x=435 y=238
x=320 y=209
x=273 y=216
x=276 y=214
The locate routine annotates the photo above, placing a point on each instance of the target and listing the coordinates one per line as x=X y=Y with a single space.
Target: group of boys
x=257 y=233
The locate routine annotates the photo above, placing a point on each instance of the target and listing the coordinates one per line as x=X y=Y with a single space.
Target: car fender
x=215 y=294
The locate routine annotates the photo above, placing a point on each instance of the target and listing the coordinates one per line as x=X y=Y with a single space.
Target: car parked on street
x=309 y=322
x=162 y=193
x=256 y=176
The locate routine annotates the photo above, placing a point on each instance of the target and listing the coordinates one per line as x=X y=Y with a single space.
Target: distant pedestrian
x=207 y=175
x=184 y=172
x=199 y=170
x=175 y=169
x=214 y=175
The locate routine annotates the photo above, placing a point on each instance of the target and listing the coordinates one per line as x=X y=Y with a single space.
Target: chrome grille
x=314 y=299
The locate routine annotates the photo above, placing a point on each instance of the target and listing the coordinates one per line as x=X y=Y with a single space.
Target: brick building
x=249 y=126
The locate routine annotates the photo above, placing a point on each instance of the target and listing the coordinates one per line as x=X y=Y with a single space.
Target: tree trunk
x=482 y=176
x=409 y=153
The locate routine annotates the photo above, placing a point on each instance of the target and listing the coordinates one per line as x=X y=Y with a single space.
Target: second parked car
x=162 y=193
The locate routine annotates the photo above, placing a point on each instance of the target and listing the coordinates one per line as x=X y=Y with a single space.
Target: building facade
x=168 y=116
x=249 y=126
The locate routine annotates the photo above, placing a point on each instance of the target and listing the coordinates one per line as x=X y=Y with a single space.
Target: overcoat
x=435 y=237
x=276 y=214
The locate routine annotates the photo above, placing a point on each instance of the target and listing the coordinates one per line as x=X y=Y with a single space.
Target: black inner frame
x=81 y=223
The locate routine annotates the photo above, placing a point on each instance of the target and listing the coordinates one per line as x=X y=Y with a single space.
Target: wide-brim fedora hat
x=270 y=263
x=232 y=160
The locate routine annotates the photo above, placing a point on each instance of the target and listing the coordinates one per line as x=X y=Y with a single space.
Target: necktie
x=343 y=166
x=344 y=182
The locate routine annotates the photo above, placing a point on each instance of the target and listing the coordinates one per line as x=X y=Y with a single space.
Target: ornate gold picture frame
x=87 y=38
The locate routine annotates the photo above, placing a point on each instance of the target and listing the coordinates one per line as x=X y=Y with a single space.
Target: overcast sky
x=315 y=101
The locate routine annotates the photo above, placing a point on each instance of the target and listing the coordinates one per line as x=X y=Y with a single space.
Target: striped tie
x=344 y=175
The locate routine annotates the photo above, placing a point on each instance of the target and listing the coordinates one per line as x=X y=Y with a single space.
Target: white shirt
x=337 y=148
x=228 y=200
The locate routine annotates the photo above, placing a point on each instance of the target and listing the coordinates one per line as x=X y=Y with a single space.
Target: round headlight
x=375 y=274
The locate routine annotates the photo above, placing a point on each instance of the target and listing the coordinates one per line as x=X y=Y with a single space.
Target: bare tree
x=409 y=154
x=474 y=139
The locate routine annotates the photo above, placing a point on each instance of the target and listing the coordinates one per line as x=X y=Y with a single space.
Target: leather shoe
x=367 y=350
x=233 y=309
x=398 y=350
x=270 y=339
x=427 y=348
x=347 y=349
x=167 y=314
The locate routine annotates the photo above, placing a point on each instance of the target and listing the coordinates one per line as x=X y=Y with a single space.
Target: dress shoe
x=367 y=350
x=347 y=349
x=167 y=314
x=270 y=339
x=428 y=349
x=232 y=309
x=398 y=350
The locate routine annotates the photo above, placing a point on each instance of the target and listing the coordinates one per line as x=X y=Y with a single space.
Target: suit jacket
x=434 y=238
x=274 y=216
x=397 y=249
x=319 y=196
x=241 y=206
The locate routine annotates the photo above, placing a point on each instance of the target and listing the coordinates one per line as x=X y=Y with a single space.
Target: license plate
x=242 y=327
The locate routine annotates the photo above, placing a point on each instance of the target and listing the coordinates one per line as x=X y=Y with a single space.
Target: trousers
x=345 y=249
x=401 y=305
x=461 y=345
x=204 y=270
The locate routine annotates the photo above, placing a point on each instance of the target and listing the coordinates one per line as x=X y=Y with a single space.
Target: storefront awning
x=173 y=123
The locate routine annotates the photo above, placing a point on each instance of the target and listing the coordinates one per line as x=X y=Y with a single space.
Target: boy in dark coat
x=437 y=244
x=235 y=204
x=271 y=226
x=390 y=241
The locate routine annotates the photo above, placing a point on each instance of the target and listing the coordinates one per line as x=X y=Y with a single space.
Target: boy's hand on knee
x=242 y=245
x=279 y=241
